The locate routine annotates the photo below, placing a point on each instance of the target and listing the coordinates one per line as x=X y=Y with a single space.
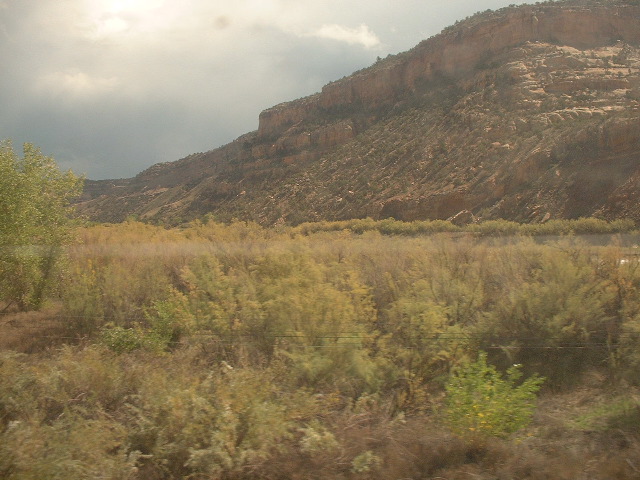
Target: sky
x=111 y=87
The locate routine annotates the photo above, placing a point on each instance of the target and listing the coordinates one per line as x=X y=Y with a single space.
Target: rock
x=621 y=135
x=438 y=206
x=511 y=113
x=463 y=217
x=332 y=135
x=452 y=54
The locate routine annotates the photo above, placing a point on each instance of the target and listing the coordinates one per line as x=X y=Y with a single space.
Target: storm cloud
x=110 y=87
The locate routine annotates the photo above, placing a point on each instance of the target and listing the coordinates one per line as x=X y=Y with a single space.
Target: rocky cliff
x=525 y=113
x=460 y=50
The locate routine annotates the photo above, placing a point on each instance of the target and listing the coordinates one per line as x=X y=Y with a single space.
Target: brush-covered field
x=344 y=350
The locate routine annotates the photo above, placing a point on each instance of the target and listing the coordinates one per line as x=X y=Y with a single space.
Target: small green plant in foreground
x=120 y=339
x=480 y=402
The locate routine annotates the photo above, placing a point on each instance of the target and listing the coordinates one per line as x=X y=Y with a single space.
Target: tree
x=34 y=223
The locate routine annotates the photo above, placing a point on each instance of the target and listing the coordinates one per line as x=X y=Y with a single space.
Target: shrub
x=120 y=339
x=480 y=402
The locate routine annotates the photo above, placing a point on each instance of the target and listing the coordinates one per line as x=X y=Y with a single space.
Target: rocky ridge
x=527 y=113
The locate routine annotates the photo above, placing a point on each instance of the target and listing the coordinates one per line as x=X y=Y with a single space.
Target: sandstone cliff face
x=458 y=51
x=276 y=119
x=528 y=113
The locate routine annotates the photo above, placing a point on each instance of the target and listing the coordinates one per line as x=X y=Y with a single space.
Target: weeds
x=237 y=352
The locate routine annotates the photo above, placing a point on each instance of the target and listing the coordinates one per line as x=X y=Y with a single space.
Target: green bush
x=480 y=402
x=120 y=339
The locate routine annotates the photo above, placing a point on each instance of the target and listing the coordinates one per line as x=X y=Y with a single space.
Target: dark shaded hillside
x=527 y=113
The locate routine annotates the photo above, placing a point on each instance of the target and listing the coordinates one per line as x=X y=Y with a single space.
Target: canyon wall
x=456 y=51
x=528 y=113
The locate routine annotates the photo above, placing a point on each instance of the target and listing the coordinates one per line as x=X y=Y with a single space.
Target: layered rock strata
x=527 y=113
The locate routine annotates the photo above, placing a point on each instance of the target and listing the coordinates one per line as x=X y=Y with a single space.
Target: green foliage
x=34 y=223
x=316 y=439
x=365 y=462
x=234 y=351
x=168 y=321
x=89 y=414
x=358 y=312
x=481 y=402
x=73 y=447
x=117 y=275
x=617 y=412
x=556 y=306
x=389 y=226
x=55 y=421
x=120 y=339
x=421 y=337
x=209 y=425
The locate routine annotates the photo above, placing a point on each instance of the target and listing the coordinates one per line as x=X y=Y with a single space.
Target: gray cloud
x=109 y=88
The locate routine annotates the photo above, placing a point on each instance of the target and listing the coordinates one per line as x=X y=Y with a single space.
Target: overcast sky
x=110 y=87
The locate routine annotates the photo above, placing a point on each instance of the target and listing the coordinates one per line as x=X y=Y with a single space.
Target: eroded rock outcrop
x=458 y=51
x=528 y=113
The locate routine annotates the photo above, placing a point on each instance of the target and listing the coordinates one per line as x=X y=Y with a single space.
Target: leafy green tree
x=34 y=223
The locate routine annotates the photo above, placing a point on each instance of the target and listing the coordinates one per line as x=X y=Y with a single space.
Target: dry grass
x=29 y=332
x=295 y=413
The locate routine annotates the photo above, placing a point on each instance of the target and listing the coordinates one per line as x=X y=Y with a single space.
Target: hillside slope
x=526 y=113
